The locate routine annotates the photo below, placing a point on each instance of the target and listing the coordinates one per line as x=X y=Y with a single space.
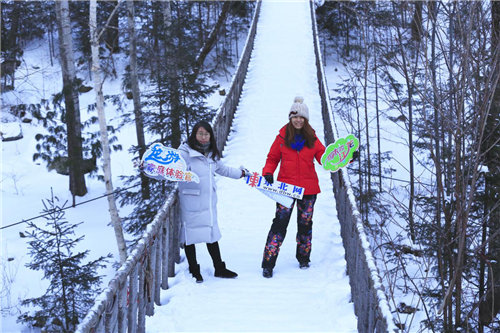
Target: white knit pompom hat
x=299 y=109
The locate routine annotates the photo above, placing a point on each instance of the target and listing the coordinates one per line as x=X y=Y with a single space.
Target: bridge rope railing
x=368 y=295
x=133 y=292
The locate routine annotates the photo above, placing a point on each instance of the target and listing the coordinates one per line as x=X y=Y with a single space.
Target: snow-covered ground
x=316 y=299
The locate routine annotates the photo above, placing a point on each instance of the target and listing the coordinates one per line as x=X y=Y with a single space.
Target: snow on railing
x=367 y=292
x=132 y=293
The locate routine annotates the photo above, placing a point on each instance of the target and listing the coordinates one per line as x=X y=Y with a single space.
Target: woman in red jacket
x=296 y=146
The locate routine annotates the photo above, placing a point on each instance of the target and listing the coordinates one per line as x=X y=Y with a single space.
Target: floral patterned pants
x=278 y=231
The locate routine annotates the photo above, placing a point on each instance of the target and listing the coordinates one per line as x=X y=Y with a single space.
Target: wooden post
x=112 y=316
x=164 y=252
x=158 y=253
x=122 y=307
x=141 y=316
x=132 y=300
x=177 y=229
x=171 y=245
x=150 y=278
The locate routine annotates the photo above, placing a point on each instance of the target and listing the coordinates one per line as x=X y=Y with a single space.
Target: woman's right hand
x=269 y=178
x=245 y=172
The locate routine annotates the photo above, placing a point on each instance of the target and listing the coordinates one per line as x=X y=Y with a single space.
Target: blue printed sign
x=165 y=163
x=259 y=182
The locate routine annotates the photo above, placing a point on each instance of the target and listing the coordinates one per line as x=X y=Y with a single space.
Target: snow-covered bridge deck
x=294 y=300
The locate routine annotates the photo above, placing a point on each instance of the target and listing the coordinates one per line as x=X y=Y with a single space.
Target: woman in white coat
x=198 y=201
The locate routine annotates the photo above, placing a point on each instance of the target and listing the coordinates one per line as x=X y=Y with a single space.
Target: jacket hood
x=283 y=131
x=185 y=148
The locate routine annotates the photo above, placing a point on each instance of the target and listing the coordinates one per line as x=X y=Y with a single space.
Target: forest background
x=425 y=70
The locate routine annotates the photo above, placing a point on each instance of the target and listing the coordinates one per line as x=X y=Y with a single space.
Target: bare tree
x=364 y=82
x=409 y=75
x=377 y=109
x=136 y=93
x=416 y=23
x=490 y=302
x=74 y=127
x=210 y=42
x=112 y=41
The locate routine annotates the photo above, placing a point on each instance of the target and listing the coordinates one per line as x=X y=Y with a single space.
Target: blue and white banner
x=285 y=189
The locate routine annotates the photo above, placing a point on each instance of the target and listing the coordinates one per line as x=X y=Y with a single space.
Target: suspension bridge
x=341 y=291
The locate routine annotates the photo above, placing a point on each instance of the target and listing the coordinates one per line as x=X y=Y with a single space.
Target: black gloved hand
x=269 y=178
x=355 y=156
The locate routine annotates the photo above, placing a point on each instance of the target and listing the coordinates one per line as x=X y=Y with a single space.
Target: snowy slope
x=294 y=300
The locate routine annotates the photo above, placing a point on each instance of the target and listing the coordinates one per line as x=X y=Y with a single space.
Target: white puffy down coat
x=198 y=202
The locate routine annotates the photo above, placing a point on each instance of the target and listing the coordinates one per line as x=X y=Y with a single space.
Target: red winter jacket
x=297 y=168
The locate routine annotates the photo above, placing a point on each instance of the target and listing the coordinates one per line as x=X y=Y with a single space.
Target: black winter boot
x=303 y=264
x=267 y=273
x=195 y=271
x=222 y=272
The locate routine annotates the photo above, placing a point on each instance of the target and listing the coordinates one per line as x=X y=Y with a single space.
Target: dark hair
x=213 y=145
x=307 y=133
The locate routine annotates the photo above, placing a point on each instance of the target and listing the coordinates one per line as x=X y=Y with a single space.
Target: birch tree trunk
x=96 y=70
x=74 y=127
x=136 y=93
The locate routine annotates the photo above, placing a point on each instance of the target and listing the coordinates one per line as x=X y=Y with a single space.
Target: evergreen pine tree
x=73 y=283
x=52 y=146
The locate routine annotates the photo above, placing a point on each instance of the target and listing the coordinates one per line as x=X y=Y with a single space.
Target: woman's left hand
x=245 y=172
